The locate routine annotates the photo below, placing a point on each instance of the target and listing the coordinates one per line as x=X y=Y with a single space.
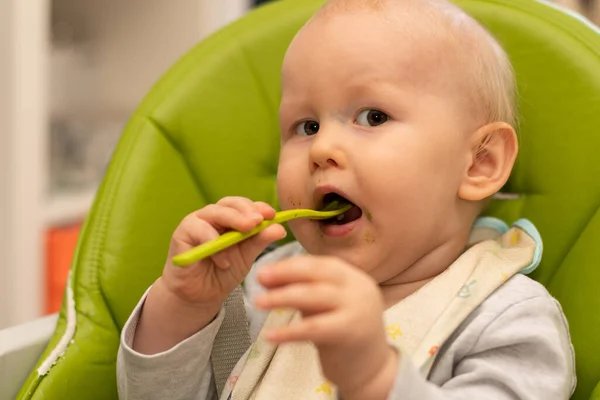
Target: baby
x=405 y=109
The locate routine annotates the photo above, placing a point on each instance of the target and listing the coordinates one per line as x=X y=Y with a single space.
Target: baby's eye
x=371 y=118
x=307 y=128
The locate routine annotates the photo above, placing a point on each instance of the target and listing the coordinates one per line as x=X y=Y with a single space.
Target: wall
x=5 y=26
x=102 y=58
x=118 y=50
x=23 y=65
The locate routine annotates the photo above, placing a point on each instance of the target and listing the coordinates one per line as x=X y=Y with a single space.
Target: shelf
x=67 y=208
x=53 y=54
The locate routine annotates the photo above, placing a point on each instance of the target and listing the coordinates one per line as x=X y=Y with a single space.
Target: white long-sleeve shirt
x=515 y=345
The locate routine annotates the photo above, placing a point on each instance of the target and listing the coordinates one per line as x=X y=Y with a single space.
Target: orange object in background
x=60 y=247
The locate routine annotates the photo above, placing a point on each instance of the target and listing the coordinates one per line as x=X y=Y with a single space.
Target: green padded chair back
x=209 y=129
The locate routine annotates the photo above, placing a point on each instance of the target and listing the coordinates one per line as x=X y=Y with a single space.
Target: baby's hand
x=208 y=282
x=342 y=309
x=184 y=300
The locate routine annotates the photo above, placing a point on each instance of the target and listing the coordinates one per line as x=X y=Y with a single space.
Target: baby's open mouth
x=352 y=214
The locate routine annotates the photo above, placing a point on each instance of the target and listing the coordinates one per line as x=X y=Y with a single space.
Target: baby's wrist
x=165 y=321
x=380 y=385
x=185 y=309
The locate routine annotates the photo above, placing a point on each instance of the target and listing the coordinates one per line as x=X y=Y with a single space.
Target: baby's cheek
x=293 y=202
x=283 y=193
x=301 y=228
x=287 y=186
x=309 y=237
x=288 y=199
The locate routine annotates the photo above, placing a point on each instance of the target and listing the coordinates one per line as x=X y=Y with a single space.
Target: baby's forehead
x=421 y=16
x=411 y=38
x=433 y=40
x=432 y=10
x=433 y=24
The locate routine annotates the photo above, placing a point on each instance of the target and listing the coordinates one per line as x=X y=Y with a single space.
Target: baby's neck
x=422 y=272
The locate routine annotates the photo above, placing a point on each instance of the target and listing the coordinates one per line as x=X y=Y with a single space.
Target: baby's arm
x=187 y=363
x=183 y=371
x=167 y=343
x=523 y=352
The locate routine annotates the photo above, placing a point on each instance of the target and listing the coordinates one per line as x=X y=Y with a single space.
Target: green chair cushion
x=209 y=129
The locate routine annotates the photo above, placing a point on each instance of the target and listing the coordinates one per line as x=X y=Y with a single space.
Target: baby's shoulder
x=517 y=290
x=518 y=303
x=518 y=326
x=520 y=307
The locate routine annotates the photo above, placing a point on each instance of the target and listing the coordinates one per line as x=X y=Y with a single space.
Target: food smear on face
x=292 y=202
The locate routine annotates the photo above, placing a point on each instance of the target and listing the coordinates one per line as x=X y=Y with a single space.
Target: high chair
x=209 y=129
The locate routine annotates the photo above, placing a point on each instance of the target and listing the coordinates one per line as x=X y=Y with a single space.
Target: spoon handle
x=230 y=238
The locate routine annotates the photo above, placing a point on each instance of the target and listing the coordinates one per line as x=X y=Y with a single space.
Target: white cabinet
x=71 y=74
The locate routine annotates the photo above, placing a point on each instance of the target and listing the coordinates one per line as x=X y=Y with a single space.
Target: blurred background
x=71 y=74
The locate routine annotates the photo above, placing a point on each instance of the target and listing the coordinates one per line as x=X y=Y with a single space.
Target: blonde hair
x=491 y=80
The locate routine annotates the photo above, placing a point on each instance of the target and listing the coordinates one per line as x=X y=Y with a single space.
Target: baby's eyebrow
x=287 y=105
x=290 y=109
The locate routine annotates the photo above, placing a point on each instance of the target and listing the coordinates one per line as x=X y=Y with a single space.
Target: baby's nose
x=327 y=150
x=329 y=162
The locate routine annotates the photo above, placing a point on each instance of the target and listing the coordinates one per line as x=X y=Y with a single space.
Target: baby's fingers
x=243 y=205
x=303 y=268
x=191 y=232
x=319 y=329
x=227 y=218
x=248 y=207
x=245 y=253
x=252 y=247
x=307 y=298
x=265 y=209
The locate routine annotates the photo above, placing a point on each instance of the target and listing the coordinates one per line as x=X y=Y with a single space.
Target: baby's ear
x=491 y=159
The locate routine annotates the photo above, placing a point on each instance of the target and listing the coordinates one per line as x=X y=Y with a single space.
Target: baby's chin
x=358 y=256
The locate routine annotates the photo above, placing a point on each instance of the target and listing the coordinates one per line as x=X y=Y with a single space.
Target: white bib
x=417 y=326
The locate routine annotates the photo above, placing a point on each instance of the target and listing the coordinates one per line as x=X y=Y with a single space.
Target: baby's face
x=368 y=113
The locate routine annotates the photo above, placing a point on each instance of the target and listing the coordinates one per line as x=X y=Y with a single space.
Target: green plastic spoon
x=207 y=249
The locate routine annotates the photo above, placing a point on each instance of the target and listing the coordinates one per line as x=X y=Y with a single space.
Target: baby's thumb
x=252 y=247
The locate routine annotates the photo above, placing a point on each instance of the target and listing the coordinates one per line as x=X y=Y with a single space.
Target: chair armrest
x=20 y=348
